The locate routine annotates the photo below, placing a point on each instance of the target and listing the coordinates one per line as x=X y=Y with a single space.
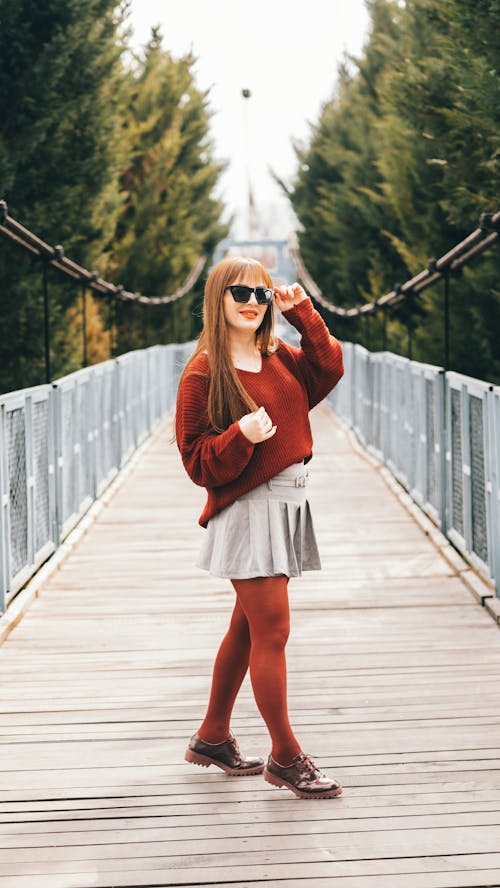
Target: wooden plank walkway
x=106 y=677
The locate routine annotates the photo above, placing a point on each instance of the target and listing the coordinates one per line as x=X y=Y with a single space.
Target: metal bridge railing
x=62 y=444
x=439 y=434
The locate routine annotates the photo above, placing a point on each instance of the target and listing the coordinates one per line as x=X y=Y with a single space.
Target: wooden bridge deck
x=107 y=676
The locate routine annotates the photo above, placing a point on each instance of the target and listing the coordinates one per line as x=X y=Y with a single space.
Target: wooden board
x=394 y=686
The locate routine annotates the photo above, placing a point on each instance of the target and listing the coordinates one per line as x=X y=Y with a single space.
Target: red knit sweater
x=291 y=381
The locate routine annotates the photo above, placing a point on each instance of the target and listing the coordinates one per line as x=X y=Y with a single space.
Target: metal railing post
x=421 y=432
x=30 y=479
x=440 y=447
x=4 y=515
x=52 y=457
x=466 y=466
x=118 y=416
x=58 y=462
x=94 y=385
x=492 y=475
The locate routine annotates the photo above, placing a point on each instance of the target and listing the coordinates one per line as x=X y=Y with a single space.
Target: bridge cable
x=451 y=262
x=25 y=239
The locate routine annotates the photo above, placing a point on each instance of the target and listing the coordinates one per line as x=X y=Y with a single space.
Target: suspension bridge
x=109 y=634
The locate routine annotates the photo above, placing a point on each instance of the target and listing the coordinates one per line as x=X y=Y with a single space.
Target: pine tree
x=402 y=161
x=338 y=195
x=440 y=162
x=61 y=152
x=170 y=217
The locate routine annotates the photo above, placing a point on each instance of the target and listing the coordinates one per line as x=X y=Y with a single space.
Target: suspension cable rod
x=25 y=239
x=474 y=244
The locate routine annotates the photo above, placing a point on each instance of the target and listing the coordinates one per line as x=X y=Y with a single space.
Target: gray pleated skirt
x=267 y=532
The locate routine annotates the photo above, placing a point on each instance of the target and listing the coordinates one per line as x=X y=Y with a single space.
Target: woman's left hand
x=287 y=297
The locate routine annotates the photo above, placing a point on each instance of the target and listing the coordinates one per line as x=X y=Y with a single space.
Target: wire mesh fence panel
x=414 y=429
x=385 y=408
x=153 y=401
x=61 y=445
x=84 y=449
x=356 y=394
x=367 y=397
x=478 y=487
x=27 y=503
x=68 y=476
x=106 y=463
x=42 y=460
x=396 y=403
x=431 y=492
x=125 y=407
x=399 y=438
x=457 y=516
x=401 y=452
x=431 y=430
x=341 y=398
x=17 y=488
x=140 y=384
x=90 y=425
x=492 y=425
x=394 y=424
x=425 y=438
x=169 y=386
x=377 y=403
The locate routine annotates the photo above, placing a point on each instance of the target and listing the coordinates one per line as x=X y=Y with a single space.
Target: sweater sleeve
x=320 y=356
x=210 y=459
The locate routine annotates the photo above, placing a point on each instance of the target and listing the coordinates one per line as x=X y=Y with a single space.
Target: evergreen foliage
x=109 y=156
x=60 y=157
x=170 y=216
x=402 y=161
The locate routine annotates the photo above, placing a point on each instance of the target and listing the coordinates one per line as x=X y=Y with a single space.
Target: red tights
x=257 y=636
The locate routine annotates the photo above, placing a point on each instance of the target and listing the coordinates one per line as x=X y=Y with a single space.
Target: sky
x=287 y=55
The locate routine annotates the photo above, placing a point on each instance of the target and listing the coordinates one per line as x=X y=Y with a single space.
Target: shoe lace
x=234 y=743
x=307 y=765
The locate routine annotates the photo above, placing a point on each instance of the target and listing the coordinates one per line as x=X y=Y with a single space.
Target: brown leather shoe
x=303 y=778
x=225 y=755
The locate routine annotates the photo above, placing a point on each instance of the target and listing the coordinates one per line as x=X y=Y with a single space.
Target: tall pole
x=110 y=327
x=46 y=321
x=446 y=280
x=84 y=326
x=246 y=96
x=384 y=329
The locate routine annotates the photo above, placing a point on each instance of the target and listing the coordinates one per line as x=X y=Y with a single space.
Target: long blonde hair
x=227 y=399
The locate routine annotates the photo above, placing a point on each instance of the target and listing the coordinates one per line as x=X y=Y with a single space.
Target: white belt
x=299 y=481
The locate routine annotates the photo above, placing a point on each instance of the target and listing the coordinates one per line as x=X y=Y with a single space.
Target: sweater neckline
x=252 y=372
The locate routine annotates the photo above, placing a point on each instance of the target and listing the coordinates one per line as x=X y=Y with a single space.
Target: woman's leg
x=229 y=671
x=264 y=600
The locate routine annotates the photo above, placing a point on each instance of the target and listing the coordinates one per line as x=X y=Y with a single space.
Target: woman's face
x=244 y=316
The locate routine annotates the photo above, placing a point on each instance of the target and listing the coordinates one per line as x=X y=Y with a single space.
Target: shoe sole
x=279 y=782
x=205 y=761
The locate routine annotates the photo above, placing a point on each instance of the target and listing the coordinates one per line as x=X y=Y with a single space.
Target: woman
x=243 y=431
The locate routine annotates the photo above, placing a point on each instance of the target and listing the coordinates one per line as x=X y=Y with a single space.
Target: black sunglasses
x=240 y=293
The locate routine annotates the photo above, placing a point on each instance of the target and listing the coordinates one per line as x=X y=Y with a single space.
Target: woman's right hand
x=257 y=426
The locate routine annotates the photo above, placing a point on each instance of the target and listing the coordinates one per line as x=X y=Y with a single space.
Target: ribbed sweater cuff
x=237 y=441
x=301 y=313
